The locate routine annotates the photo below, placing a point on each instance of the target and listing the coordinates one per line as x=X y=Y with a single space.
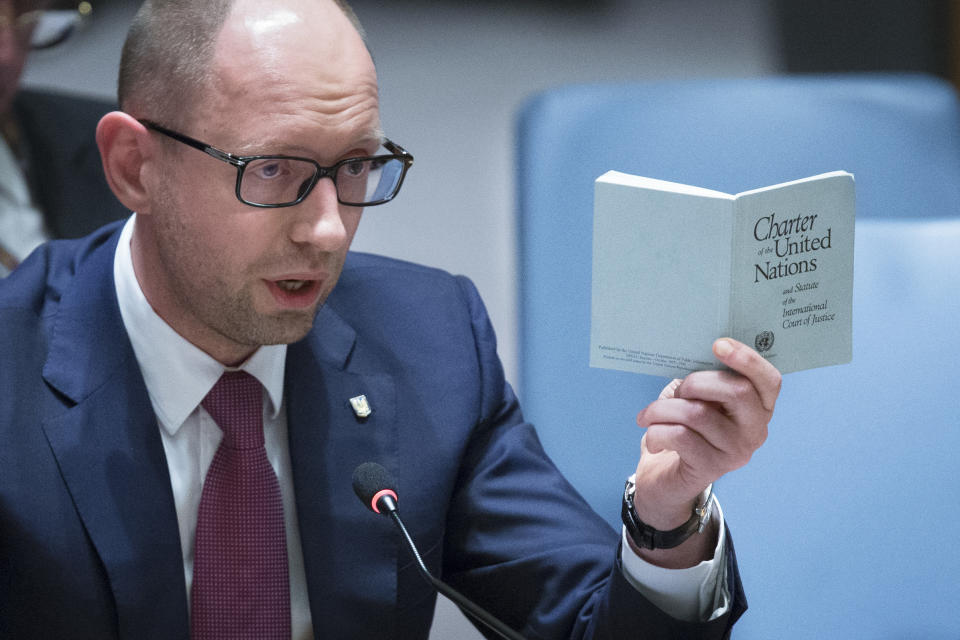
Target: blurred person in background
x=51 y=179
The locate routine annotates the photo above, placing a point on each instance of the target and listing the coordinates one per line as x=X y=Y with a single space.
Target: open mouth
x=292 y=285
x=294 y=294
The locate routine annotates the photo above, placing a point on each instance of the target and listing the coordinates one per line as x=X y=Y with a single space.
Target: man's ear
x=125 y=149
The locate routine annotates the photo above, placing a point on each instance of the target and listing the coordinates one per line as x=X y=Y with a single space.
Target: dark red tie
x=241 y=586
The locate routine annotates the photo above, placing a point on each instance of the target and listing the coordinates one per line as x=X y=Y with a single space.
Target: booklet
x=675 y=267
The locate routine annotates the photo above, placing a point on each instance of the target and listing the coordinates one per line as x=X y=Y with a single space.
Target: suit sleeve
x=522 y=542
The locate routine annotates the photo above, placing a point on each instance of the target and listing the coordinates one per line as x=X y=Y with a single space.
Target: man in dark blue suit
x=248 y=145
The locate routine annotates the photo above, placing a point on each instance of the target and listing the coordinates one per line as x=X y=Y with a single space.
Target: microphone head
x=372 y=483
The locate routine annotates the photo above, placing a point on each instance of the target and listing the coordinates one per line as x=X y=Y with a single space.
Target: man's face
x=291 y=78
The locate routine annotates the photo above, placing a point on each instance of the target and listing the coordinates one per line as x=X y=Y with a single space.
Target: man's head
x=17 y=20
x=166 y=60
x=250 y=77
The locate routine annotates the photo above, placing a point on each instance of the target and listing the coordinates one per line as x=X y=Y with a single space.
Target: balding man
x=195 y=387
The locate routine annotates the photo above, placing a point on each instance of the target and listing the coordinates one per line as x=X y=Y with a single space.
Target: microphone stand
x=475 y=610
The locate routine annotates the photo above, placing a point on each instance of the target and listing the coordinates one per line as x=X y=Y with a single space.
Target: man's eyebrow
x=378 y=135
x=372 y=140
x=369 y=142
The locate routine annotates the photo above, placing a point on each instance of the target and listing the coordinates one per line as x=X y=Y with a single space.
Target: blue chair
x=845 y=520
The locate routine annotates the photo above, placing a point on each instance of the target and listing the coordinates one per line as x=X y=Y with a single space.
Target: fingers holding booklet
x=754 y=374
x=701 y=427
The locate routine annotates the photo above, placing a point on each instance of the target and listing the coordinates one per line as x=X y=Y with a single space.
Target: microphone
x=374 y=485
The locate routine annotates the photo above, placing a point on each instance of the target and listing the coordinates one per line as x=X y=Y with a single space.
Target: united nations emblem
x=764 y=341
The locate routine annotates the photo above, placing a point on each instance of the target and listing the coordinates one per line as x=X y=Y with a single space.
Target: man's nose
x=317 y=219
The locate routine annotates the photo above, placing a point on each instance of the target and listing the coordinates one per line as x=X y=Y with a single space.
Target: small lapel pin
x=360 y=406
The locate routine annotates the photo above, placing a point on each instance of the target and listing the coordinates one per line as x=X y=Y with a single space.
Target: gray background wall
x=453 y=75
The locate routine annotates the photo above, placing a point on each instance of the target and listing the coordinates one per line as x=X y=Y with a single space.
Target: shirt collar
x=178 y=374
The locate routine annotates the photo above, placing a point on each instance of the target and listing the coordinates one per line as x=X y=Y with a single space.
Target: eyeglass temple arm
x=396 y=149
x=391 y=146
x=193 y=142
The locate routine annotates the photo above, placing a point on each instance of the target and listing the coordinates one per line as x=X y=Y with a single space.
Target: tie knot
x=236 y=404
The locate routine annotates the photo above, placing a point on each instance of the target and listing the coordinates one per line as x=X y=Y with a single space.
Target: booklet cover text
x=676 y=267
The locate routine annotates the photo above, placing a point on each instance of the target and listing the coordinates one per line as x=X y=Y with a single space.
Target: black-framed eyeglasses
x=46 y=27
x=273 y=181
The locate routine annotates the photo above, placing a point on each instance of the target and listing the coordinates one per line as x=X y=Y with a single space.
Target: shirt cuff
x=696 y=594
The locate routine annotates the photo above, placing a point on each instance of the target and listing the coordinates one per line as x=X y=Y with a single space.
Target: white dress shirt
x=178 y=375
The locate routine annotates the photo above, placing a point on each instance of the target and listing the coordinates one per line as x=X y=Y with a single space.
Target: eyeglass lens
x=277 y=181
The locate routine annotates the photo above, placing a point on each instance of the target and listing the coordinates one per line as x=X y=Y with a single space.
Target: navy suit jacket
x=89 y=543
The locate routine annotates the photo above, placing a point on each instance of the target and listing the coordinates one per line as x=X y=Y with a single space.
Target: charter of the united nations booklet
x=675 y=267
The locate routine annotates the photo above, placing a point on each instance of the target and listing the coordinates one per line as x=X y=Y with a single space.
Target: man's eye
x=355 y=169
x=268 y=170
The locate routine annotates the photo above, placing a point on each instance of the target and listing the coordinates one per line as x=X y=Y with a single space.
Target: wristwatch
x=646 y=537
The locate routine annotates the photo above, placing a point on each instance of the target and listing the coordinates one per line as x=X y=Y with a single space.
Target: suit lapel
x=350 y=553
x=110 y=455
